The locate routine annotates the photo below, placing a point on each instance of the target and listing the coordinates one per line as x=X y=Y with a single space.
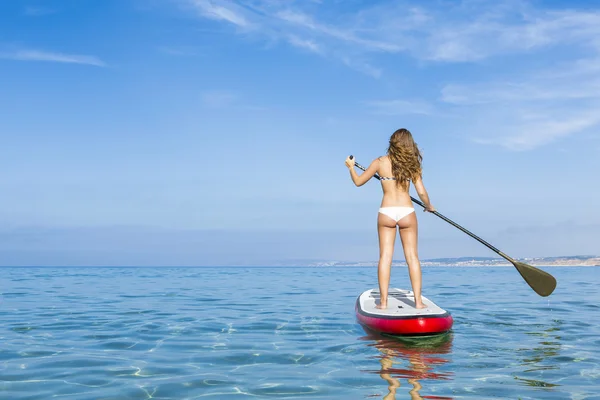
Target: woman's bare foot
x=419 y=303
x=381 y=306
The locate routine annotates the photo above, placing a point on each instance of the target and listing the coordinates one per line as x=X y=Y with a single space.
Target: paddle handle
x=448 y=220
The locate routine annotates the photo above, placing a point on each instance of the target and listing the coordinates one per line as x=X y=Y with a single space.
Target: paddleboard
x=401 y=317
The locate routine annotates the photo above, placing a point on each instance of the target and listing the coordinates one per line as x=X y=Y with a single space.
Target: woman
x=397 y=169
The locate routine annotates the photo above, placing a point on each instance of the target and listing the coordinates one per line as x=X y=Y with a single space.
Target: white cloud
x=362 y=66
x=221 y=10
x=37 y=55
x=537 y=69
x=281 y=21
x=481 y=34
x=528 y=135
x=532 y=90
x=306 y=22
x=538 y=108
x=434 y=31
x=304 y=43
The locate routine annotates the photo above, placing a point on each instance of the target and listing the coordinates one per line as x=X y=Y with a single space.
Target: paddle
x=540 y=281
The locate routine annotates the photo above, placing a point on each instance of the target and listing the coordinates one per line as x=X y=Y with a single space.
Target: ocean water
x=290 y=333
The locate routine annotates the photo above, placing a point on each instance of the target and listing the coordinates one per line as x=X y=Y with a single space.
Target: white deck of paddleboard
x=400 y=303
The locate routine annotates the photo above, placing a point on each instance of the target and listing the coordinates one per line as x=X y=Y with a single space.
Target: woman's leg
x=386 y=228
x=408 y=234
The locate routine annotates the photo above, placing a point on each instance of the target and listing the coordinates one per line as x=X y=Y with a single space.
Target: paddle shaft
x=480 y=240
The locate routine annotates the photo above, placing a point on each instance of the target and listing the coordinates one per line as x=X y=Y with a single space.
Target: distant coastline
x=566 y=261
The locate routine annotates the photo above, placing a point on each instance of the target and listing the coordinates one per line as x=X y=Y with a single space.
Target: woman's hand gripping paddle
x=540 y=281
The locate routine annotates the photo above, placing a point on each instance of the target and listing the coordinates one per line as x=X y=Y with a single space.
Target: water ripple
x=183 y=333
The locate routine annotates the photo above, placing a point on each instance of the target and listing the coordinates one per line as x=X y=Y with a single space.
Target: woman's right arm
x=363 y=178
x=422 y=192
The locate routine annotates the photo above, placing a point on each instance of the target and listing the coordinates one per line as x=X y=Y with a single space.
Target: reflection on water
x=413 y=359
x=536 y=358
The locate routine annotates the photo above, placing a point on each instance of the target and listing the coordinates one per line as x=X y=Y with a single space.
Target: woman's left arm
x=363 y=178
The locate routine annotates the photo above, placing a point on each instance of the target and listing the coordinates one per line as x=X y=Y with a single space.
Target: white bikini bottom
x=396 y=213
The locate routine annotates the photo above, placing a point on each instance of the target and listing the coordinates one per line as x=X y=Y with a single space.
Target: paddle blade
x=540 y=281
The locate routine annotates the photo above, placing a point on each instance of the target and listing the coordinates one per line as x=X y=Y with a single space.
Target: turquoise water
x=290 y=333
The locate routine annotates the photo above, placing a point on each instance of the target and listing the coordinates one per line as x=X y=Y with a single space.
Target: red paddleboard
x=401 y=318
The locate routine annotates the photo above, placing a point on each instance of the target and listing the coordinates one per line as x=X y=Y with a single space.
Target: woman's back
x=394 y=194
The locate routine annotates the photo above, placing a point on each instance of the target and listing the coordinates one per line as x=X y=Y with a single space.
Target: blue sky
x=196 y=132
